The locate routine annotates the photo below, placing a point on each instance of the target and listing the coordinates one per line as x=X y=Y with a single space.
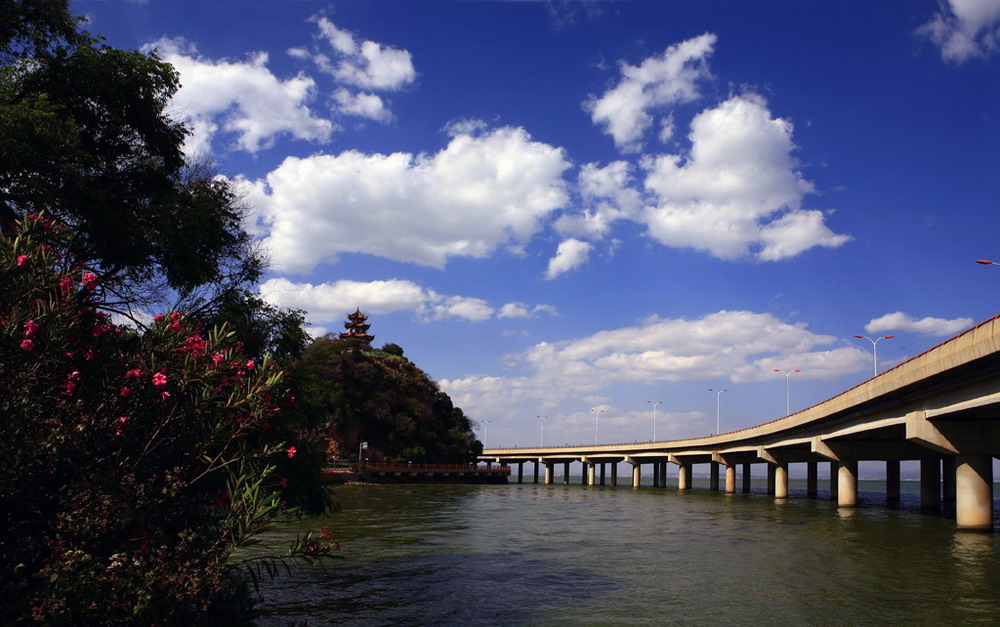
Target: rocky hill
x=356 y=394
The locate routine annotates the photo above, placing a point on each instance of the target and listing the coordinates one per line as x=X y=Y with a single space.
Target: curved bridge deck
x=941 y=408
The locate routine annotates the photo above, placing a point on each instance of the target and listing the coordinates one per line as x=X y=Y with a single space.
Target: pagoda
x=357 y=329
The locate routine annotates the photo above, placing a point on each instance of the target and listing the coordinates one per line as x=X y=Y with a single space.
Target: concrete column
x=713 y=476
x=548 y=473
x=591 y=473
x=948 y=484
x=892 y=481
x=746 y=477
x=656 y=474
x=974 y=492
x=834 y=470
x=663 y=474
x=847 y=484
x=520 y=472
x=812 y=479
x=537 y=464
x=730 y=479
x=614 y=475
x=566 y=473
x=781 y=480
x=770 y=478
x=584 y=475
x=604 y=466
x=636 y=475
x=930 y=483
x=684 y=477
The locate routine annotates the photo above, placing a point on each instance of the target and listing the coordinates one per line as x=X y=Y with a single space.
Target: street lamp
x=654 y=416
x=787 y=388
x=541 y=429
x=718 y=407
x=597 y=427
x=874 y=347
x=486 y=431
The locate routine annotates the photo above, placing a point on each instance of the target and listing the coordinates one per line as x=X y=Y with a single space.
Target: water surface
x=576 y=555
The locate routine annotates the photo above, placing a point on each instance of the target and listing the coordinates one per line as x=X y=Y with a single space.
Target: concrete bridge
x=940 y=408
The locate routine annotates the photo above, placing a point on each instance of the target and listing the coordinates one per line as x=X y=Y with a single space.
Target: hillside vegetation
x=380 y=397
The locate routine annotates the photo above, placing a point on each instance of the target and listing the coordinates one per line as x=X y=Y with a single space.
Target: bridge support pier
x=730 y=479
x=781 y=480
x=812 y=479
x=892 y=481
x=834 y=482
x=930 y=483
x=771 y=468
x=636 y=475
x=584 y=475
x=603 y=469
x=684 y=477
x=565 y=473
x=537 y=464
x=847 y=484
x=656 y=474
x=549 y=472
x=974 y=492
x=591 y=473
x=663 y=475
x=746 y=477
x=713 y=476
x=520 y=472
x=614 y=475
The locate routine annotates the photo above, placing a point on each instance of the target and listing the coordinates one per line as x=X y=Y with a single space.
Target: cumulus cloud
x=900 y=321
x=626 y=110
x=741 y=346
x=240 y=98
x=330 y=302
x=363 y=63
x=964 y=29
x=521 y=310
x=570 y=254
x=481 y=192
x=737 y=193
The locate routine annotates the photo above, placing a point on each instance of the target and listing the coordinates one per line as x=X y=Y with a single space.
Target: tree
x=88 y=142
x=135 y=464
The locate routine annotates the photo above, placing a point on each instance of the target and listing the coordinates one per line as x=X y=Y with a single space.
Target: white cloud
x=900 y=321
x=669 y=78
x=965 y=30
x=477 y=194
x=521 y=310
x=741 y=346
x=241 y=98
x=364 y=63
x=363 y=105
x=331 y=302
x=570 y=254
x=737 y=193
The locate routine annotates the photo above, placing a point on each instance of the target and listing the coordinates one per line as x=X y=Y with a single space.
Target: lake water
x=575 y=555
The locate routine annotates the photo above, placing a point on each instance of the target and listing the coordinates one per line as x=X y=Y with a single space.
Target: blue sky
x=577 y=209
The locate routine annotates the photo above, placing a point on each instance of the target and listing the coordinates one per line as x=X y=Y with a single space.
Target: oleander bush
x=135 y=463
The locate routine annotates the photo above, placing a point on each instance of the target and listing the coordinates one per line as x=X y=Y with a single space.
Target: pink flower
x=74 y=376
x=133 y=374
x=89 y=280
x=66 y=285
x=27 y=344
x=125 y=392
x=218 y=358
x=22 y=259
x=69 y=387
x=31 y=328
x=158 y=317
x=164 y=396
x=291 y=451
x=250 y=364
x=159 y=379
